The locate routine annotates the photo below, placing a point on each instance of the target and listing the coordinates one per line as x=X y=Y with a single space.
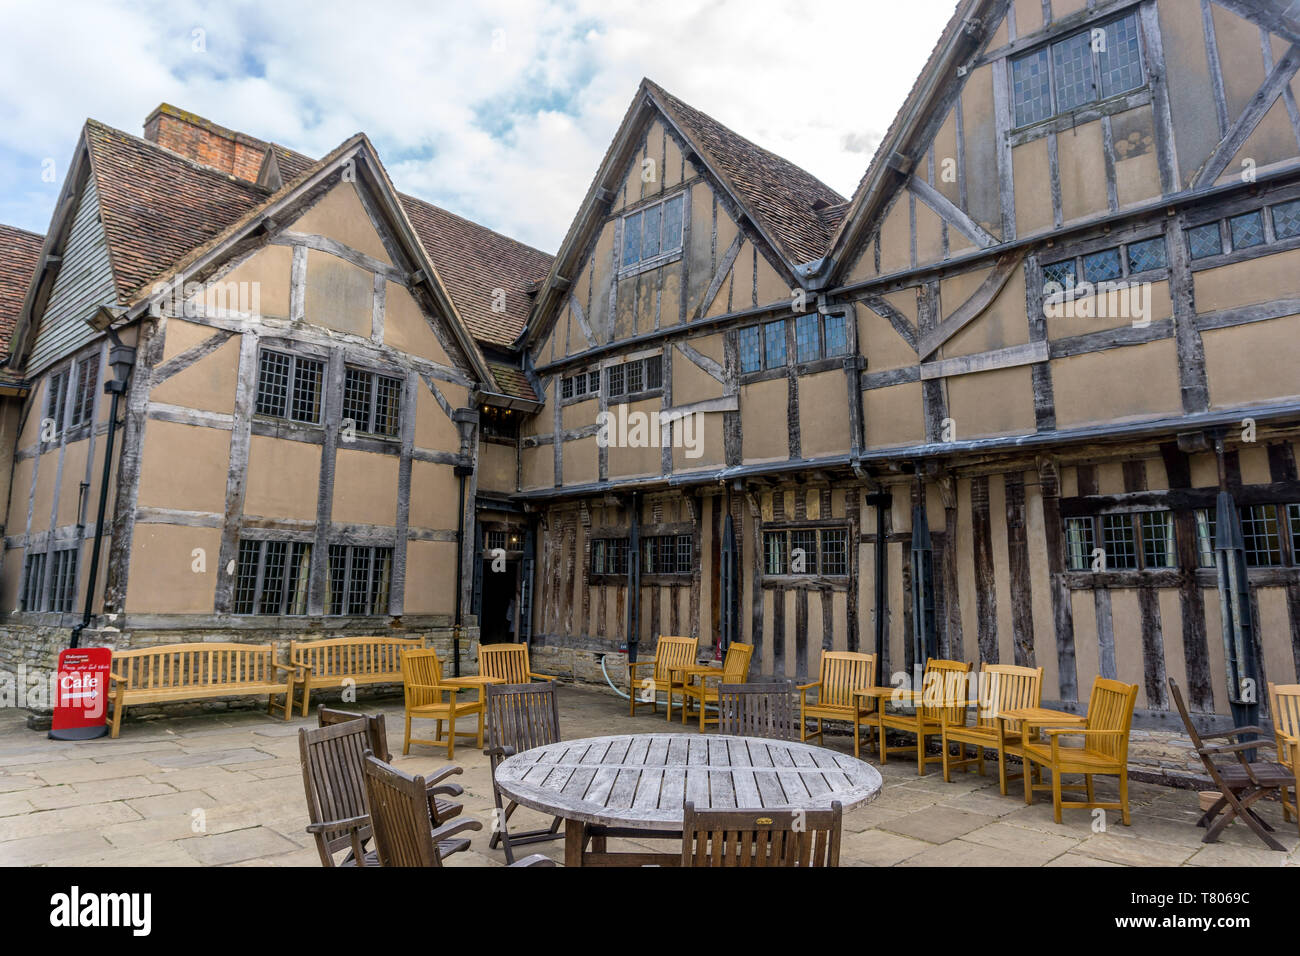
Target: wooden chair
x=671 y=654
x=761 y=837
x=519 y=717
x=841 y=673
x=332 y=759
x=759 y=710
x=1241 y=784
x=943 y=687
x=1104 y=749
x=509 y=662
x=702 y=682
x=400 y=817
x=430 y=696
x=1002 y=687
x=377 y=737
x=1284 y=706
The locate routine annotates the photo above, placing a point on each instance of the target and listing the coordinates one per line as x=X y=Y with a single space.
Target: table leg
x=575 y=837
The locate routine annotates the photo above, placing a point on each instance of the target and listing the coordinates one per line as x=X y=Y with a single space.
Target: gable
x=84 y=282
x=984 y=162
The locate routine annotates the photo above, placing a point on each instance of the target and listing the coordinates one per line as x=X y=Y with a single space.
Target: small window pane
x=1158 y=539
x=685 y=554
x=356 y=399
x=1031 y=90
x=774 y=548
x=63 y=581
x=617 y=380
x=87 y=378
x=1061 y=273
x=1072 y=67
x=1205 y=530
x=803 y=551
x=1247 y=230
x=1286 y=219
x=654 y=372
x=273 y=384
x=336 y=599
x=1102 y=266
x=307 y=378
x=650 y=232
x=273 y=568
x=246 y=576
x=837 y=335
x=566 y=387
x=1260 y=533
x=1203 y=241
x=835 y=551
x=33 y=582
x=751 y=358
x=579 y=384
x=1293 y=519
x=1147 y=255
x=1079 y=543
x=593 y=382
x=1120 y=58
x=632 y=239
x=388 y=402
x=805 y=332
x=672 y=225
x=598 y=556
x=634 y=377
x=1117 y=540
x=774 y=344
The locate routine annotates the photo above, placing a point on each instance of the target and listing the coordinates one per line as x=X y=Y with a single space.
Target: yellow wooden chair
x=1002 y=687
x=840 y=674
x=430 y=696
x=1104 y=749
x=671 y=654
x=702 y=683
x=1284 y=706
x=943 y=686
x=509 y=662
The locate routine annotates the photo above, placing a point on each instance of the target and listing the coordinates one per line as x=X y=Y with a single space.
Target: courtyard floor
x=227 y=790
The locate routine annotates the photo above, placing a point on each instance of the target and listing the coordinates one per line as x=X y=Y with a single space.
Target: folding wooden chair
x=1241 y=785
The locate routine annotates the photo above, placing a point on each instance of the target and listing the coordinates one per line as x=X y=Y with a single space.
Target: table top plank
x=643 y=780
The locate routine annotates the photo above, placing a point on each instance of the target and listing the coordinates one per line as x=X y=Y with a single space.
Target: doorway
x=499 y=616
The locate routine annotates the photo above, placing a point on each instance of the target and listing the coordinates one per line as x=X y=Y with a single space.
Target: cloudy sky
x=498 y=110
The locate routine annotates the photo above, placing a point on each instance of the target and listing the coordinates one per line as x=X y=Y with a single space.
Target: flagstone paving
x=226 y=790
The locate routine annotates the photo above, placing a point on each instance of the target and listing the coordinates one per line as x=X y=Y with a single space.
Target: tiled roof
x=157 y=206
x=473 y=262
x=512 y=381
x=19 y=253
x=784 y=198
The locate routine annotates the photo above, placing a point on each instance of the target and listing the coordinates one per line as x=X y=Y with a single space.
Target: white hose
x=608 y=681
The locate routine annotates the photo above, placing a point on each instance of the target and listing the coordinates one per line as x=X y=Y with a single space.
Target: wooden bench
x=362 y=660
x=150 y=675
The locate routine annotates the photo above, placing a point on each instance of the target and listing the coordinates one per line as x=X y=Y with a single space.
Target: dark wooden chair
x=759 y=710
x=762 y=837
x=443 y=810
x=519 y=717
x=332 y=759
x=1240 y=785
x=399 y=813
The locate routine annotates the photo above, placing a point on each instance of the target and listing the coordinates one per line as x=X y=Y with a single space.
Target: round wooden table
x=636 y=785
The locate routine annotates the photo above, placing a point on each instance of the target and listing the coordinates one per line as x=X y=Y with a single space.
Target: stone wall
x=29 y=656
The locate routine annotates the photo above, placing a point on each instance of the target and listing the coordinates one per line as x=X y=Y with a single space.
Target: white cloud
x=499 y=111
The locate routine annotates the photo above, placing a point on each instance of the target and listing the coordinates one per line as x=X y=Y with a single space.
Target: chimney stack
x=203 y=141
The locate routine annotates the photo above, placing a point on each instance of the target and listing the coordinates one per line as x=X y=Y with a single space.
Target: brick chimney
x=203 y=141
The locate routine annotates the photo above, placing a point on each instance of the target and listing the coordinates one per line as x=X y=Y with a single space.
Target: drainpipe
x=634 y=581
x=881 y=501
x=121 y=359
x=466 y=420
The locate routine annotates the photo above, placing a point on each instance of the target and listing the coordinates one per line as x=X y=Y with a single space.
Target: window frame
x=1134 y=525
x=31 y=594
x=1050 y=45
x=785 y=533
x=288 y=595
x=374 y=375
x=660 y=258
x=625 y=370
x=344 y=594
x=614 y=553
x=295 y=359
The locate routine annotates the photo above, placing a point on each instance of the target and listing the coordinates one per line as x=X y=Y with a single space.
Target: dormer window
x=653 y=234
